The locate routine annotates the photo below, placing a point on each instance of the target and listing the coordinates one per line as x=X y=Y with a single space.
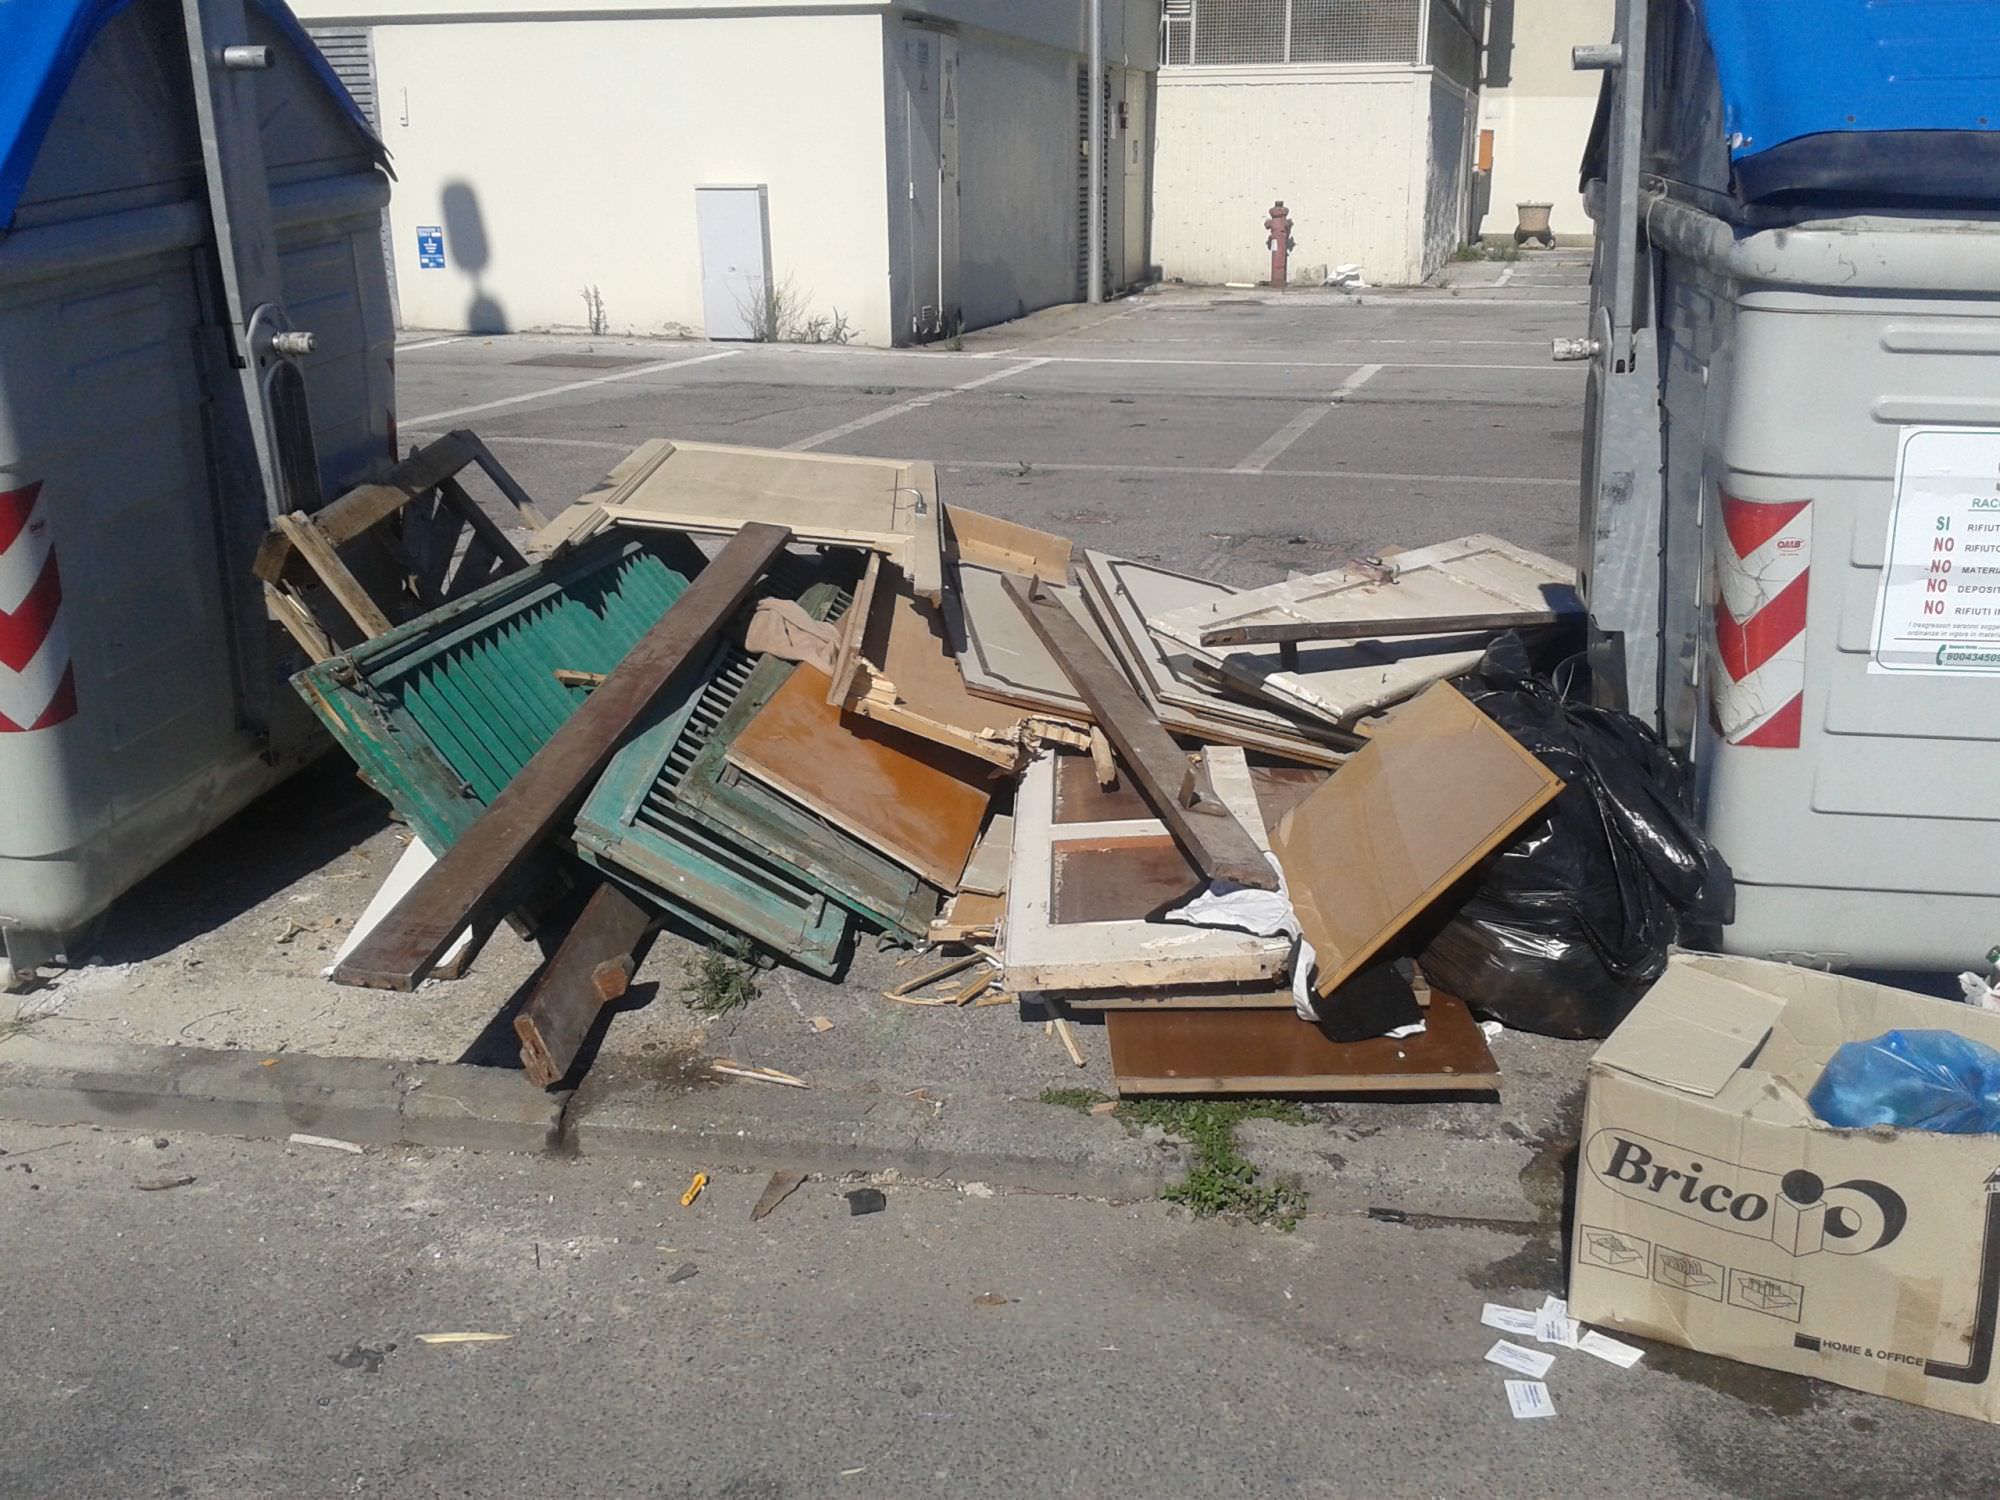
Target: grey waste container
x=127 y=729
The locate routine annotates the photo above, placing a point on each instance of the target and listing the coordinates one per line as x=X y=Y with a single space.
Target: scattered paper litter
x=1620 y=1354
x=1508 y=1319
x=1530 y=1362
x=1399 y=1033
x=463 y=1338
x=1492 y=1031
x=300 y=1138
x=1554 y=1325
x=1529 y=1398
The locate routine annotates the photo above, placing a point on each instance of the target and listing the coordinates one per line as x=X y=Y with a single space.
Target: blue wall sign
x=430 y=247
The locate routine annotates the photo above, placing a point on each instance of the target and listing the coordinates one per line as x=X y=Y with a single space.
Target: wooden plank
x=1214 y=840
x=886 y=505
x=993 y=542
x=918 y=803
x=590 y=969
x=1273 y=1052
x=970 y=915
x=410 y=866
x=453 y=494
x=1340 y=681
x=1371 y=630
x=902 y=673
x=530 y=513
x=307 y=541
x=853 y=626
x=1467 y=576
x=291 y=613
x=986 y=867
x=1122 y=594
x=344 y=519
x=1121 y=948
x=548 y=790
x=1172 y=997
x=1436 y=791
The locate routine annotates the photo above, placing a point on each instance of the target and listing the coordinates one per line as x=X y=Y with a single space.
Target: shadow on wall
x=465 y=232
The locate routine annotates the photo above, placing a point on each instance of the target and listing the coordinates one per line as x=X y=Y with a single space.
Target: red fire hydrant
x=1278 y=229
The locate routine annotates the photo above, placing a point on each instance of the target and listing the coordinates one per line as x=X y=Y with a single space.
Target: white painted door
x=733 y=226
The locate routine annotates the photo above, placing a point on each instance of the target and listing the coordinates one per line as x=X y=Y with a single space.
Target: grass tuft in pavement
x=722 y=981
x=1222 y=1180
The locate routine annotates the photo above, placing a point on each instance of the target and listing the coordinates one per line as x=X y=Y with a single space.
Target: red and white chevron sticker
x=1763 y=566
x=37 y=677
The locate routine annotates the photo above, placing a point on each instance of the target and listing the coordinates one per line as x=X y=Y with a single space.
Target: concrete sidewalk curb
x=371 y=1101
x=1012 y=1143
x=1002 y=1142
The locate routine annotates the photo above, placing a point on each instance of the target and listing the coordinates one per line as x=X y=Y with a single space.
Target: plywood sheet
x=1079 y=895
x=1272 y=1051
x=886 y=505
x=1438 y=788
x=920 y=804
x=1341 y=681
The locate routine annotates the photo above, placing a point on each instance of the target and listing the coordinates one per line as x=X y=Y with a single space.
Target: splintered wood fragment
x=759 y=1075
x=973 y=990
x=1218 y=845
x=1101 y=759
x=544 y=795
x=590 y=969
x=1006 y=997
x=924 y=981
x=1068 y=1040
x=570 y=678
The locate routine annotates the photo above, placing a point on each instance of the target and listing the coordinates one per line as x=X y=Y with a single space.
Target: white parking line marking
x=1285 y=364
x=457 y=338
x=1013 y=466
x=903 y=408
x=1269 y=450
x=574 y=385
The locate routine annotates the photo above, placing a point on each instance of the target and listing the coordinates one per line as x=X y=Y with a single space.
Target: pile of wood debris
x=777 y=699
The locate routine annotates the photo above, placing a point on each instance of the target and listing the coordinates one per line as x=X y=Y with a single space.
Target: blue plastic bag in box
x=1919 y=1080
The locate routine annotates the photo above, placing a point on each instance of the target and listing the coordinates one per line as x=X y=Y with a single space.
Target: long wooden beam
x=546 y=792
x=590 y=969
x=1219 y=846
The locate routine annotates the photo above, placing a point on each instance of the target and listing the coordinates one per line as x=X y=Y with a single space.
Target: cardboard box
x=1715 y=1211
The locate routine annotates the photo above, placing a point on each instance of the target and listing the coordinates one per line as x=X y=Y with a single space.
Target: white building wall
x=1344 y=145
x=1539 y=107
x=559 y=155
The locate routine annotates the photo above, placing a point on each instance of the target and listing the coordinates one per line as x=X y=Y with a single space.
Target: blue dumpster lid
x=1860 y=97
x=43 y=42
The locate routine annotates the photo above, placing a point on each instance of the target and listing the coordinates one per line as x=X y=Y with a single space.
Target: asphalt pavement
x=205 y=1319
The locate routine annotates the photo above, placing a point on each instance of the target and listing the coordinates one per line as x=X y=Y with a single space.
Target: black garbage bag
x=1566 y=928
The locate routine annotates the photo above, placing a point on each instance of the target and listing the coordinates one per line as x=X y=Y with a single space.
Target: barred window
x=1239 y=33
